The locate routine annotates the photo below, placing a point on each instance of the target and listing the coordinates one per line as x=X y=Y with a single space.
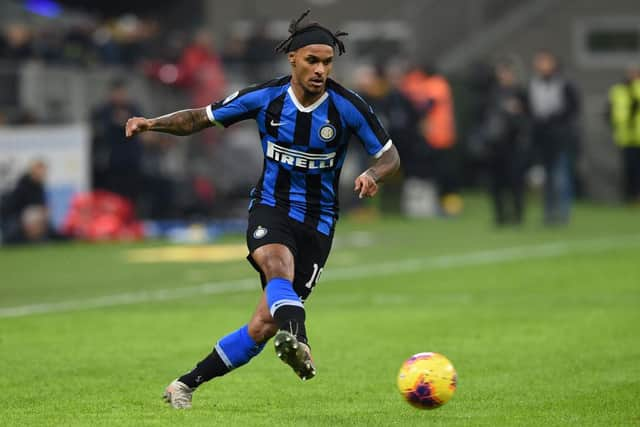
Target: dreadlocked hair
x=295 y=28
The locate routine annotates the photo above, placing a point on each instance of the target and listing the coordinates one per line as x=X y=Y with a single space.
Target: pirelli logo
x=300 y=159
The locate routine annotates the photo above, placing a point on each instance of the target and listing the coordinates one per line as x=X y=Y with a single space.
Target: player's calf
x=232 y=351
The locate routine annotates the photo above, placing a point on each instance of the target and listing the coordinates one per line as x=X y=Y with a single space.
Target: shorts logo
x=327 y=133
x=260 y=232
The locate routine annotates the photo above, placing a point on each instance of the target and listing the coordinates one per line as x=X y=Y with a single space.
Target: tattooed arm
x=367 y=182
x=184 y=122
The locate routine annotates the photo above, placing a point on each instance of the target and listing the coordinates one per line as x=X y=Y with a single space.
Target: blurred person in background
x=48 y=43
x=555 y=107
x=78 y=47
x=258 y=53
x=16 y=43
x=200 y=69
x=398 y=116
x=478 y=83
x=507 y=134
x=431 y=95
x=401 y=119
x=25 y=215
x=158 y=194
x=624 y=117
x=116 y=162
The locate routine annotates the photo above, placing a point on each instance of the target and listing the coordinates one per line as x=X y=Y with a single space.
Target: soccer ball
x=427 y=380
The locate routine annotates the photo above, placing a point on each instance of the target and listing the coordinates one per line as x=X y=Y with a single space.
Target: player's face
x=312 y=65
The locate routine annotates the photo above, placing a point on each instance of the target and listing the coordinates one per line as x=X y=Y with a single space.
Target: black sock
x=291 y=318
x=210 y=367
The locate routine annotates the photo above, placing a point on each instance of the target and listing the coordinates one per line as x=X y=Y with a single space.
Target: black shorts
x=310 y=248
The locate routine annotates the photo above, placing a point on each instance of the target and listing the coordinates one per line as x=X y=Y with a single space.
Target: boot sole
x=291 y=352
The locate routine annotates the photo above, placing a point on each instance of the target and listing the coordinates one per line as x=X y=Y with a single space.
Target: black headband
x=313 y=35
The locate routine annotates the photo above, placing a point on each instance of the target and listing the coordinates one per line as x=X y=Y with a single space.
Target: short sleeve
x=244 y=104
x=240 y=105
x=367 y=126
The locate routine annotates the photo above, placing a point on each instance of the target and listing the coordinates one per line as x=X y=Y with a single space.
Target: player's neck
x=304 y=97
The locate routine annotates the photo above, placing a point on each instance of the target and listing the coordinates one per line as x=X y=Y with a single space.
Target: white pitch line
x=492 y=256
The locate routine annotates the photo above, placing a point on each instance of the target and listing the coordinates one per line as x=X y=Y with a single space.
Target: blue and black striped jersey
x=304 y=147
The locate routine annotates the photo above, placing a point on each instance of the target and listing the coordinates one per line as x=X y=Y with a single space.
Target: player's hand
x=136 y=125
x=366 y=184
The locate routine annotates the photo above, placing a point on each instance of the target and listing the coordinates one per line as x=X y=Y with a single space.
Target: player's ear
x=292 y=58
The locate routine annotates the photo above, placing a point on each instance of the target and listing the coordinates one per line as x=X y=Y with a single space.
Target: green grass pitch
x=542 y=325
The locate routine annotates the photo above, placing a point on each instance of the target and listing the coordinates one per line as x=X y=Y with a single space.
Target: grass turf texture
x=548 y=340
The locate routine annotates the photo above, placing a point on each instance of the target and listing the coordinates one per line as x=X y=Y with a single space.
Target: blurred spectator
x=78 y=47
x=624 y=117
x=17 y=43
x=116 y=161
x=431 y=95
x=134 y=38
x=397 y=115
x=555 y=106
x=123 y=41
x=158 y=188
x=478 y=88
x=48 y=44
x=507 y=132
x=259 y=53
x=401 y=120
x=234 y=52
x=200 y=70
x=25 y=216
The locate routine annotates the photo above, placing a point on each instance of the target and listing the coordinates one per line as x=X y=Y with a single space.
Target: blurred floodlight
x=48 y=8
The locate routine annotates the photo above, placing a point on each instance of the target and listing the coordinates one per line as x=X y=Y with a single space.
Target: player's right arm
x=184 y=122
x=241 y=105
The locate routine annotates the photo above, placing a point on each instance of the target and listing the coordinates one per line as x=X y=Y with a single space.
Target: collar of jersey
x=301 y=107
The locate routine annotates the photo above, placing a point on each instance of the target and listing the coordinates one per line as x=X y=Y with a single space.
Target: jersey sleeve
x=367 y=127
x=240 y=105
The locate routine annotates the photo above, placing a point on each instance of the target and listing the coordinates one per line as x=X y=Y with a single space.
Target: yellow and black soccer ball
x=427 y=380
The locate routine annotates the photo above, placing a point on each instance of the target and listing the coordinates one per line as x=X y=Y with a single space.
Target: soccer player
x=305 y=121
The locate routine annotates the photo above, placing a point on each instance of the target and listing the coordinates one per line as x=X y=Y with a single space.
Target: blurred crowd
x=131 y=40
x=509 y=124
x=86 y=43
x=514 y=126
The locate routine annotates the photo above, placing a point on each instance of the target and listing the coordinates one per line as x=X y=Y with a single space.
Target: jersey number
x=315 y=276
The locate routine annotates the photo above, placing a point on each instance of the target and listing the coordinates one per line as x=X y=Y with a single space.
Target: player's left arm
x=387 y=164
x=376 y=142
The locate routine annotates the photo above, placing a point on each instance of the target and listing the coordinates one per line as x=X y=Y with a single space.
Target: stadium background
x=539 y=321
x=594 y=40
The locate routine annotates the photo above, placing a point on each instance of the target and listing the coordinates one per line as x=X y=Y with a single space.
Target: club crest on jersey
x=300 y=159
x=260 y=232
x=327 y=132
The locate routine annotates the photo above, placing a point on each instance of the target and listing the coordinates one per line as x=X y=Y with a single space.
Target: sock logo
x=260 y=232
